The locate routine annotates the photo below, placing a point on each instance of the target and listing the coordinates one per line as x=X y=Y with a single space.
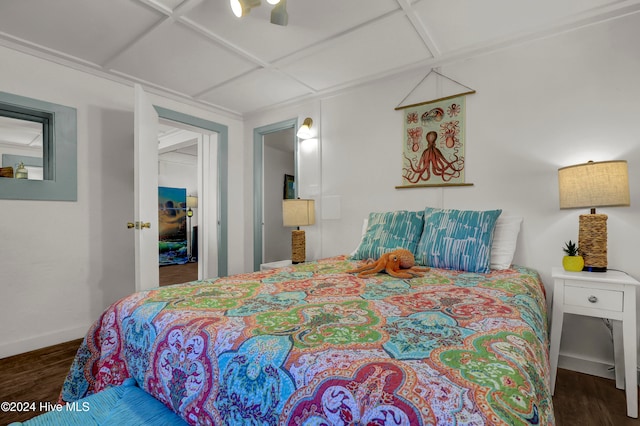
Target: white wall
x=539 y=106
x=176 y=174
x=63 y=263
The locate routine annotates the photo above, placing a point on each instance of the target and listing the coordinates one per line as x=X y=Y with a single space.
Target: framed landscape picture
x=172 y=223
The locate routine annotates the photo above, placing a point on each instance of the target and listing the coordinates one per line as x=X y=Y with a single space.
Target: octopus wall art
x=434 y=148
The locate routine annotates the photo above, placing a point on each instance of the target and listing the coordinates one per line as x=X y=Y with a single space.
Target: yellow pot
x=573 y=263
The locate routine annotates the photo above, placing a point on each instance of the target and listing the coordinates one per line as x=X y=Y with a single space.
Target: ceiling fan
x=279 y=15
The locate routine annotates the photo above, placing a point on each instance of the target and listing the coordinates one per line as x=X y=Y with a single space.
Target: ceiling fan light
x=279 y=15
x=236 y=8
x=241 y=8
x=273 y=1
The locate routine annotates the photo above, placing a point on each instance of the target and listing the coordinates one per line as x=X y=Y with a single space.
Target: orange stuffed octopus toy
x=399 y=263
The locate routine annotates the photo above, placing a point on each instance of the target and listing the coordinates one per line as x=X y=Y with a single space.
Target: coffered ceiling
x=198 y=51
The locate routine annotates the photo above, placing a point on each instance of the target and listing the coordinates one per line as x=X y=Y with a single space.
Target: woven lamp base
x=592 y=241
x=298 y=245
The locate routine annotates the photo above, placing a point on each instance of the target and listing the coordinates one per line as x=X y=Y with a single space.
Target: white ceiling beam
x=165 y=91
x=327 y=42
x=173 y=145
x=613 y=10
x=146 y=33
x=179 y=11
x=420 y=28
x=170 y=16
x=605 y=14
x=221 y=41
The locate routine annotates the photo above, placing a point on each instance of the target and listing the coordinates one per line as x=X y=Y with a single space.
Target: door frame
x=223 y=159
x=258 y=178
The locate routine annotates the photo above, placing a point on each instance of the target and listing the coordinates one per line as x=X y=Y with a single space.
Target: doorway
x=279 y=179
x=212 y=211
x=267 y=139
x=178 y=171
x=146 y=125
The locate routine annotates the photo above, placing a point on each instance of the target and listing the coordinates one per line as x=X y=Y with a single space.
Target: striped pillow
x=457 y=239
x=389 y=231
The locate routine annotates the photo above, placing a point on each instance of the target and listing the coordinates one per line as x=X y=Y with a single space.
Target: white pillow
x=365 y=225
x=505 y=237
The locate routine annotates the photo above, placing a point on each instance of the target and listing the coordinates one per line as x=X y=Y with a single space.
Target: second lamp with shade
x=591 y=185
x=192 y=203
x=297 y=213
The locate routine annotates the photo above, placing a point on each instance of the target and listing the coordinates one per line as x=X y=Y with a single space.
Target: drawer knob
x=593 y=299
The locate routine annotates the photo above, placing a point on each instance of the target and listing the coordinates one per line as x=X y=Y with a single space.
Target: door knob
x=139 y=225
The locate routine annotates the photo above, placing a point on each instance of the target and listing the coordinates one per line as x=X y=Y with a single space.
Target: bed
x=311 y=344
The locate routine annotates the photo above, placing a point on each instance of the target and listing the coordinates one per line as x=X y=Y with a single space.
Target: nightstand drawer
x=595 y=298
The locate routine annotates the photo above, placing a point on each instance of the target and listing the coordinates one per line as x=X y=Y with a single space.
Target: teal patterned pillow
x=457 y=239
x=389 y=231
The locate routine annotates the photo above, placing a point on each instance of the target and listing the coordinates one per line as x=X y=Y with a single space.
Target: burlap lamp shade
x=296 y=213
x=591 y=185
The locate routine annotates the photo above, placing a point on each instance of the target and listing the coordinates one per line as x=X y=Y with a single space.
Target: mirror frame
x=60 y=158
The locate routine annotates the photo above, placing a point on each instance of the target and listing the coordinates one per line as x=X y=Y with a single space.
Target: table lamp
x=297 y=213
x=593 y=184
x=192 y=203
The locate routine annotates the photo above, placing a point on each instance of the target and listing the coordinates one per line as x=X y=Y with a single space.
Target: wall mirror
x=38 y=158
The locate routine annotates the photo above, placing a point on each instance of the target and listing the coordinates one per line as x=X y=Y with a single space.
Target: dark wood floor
x=178 y=274
x=37 y=376
x=581 y=399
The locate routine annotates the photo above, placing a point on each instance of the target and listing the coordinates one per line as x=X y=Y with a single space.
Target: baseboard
x=587 y=366
x=42 y=341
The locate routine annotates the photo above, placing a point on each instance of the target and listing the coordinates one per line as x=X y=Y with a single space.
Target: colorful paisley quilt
x=312 y=345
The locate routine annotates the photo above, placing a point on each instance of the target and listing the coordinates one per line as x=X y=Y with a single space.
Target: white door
x=145 y=192
x=208 y=205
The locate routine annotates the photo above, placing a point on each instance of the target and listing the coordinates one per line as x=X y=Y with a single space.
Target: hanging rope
x=468 y=92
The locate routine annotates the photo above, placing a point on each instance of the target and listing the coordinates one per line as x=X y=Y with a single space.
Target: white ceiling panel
x=168 y=4
x=198 y=50
x=458 y=24
x=178 y=58
x=89 y=30
x=310 y=21
x=256 y=90
x=384 y=45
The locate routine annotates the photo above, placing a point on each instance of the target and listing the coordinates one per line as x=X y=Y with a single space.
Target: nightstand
x=274 y=265
x=612 y=295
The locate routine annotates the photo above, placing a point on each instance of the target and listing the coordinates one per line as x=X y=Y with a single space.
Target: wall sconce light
x=297 y=213
x=601 y=184
x=304 y=132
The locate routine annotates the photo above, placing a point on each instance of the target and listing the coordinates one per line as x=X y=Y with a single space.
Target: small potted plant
x=572 y=262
